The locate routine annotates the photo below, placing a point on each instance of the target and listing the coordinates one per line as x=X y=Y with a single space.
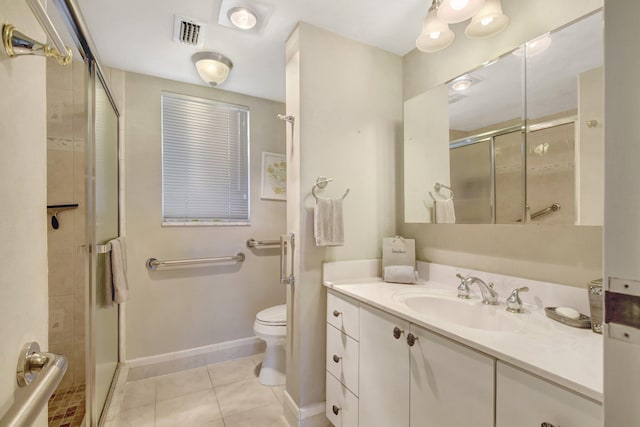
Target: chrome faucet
x=489 y=295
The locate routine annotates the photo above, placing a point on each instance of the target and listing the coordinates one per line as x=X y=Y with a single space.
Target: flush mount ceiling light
x=534 y=47
x=435 y=34
x=454 y=11
x=242 y=17
x=488 y=22
x=212 y=67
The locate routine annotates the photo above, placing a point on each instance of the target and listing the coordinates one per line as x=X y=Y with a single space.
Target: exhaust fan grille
x=188 y=31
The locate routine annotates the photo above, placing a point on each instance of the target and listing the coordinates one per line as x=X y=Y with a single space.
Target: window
x=205 y=161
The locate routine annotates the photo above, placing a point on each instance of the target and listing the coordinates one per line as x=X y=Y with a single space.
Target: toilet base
x=272 y=371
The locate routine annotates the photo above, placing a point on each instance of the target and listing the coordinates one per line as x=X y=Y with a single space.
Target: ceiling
x=137 y=35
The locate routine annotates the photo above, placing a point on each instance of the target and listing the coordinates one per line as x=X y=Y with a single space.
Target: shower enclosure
x=83 y=162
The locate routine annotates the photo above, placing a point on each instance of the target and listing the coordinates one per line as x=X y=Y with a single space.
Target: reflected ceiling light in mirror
x=212 y=67
x=534 y=47
x=454 y=11
x=461 y=83
x=435 y=34
x=242 y=18
x=488 y=22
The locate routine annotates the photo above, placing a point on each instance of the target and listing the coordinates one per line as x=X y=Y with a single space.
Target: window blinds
x=205 y=160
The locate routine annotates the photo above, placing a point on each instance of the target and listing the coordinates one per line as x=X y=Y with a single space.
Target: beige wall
x=173 y=310
x=560 y=254
x=23 y=218
x=66 y=159
x=348 y=127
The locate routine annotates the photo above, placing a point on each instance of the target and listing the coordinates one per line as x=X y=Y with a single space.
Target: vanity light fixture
x=454 y=11
x=212 y=67
x=435 y=34
x=242 y=17
x=488 y=22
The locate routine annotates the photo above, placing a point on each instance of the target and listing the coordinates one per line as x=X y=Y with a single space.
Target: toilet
x=271 y=327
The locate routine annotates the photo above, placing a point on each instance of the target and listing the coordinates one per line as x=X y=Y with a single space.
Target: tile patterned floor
x=225 y=394
x=67 y=407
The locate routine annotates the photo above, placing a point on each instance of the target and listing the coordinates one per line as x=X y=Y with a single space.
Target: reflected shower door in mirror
x=555 y=177
x=565 y=133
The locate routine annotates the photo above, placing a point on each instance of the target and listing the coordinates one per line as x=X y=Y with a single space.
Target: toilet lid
x=276 y=315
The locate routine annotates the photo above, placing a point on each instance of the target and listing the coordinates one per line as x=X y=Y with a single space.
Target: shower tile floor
x=225 y=394
x=67 y=406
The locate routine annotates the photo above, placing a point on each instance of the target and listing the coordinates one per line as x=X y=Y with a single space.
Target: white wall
x=347 y=100
x=622 y=198
x=23 y=219
x=558 y=254
x=179 y=309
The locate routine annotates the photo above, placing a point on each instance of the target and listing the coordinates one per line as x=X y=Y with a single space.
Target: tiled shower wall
x=66 y=143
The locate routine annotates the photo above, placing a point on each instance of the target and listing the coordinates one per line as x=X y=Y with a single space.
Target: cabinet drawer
x=528 y=401
x=342 y=405
x=342 y=358
x=343 y=313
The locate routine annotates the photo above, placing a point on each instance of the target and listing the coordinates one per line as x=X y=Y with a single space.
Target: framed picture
x=274 y=177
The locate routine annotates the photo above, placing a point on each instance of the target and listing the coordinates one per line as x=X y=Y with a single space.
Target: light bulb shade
x=435 y=35
x=242 y=18
x=454 y=11
x=212 y=67
x=488 y=22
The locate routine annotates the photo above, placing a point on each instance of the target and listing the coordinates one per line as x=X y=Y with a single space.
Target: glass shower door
x=106 y=215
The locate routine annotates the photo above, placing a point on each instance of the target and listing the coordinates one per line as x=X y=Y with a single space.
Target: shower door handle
x=287 y=242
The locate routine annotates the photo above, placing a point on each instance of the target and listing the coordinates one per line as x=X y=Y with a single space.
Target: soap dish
x=582 y=322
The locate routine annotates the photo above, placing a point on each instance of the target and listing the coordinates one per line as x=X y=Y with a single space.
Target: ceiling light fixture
x=488 y=22
x=454 y=11
x=212 y=67
x=242 y=17
x=435 y=34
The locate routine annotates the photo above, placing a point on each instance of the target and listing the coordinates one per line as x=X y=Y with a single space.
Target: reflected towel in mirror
x=445 y=211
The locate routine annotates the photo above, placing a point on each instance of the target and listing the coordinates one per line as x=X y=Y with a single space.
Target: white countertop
x=568 y=356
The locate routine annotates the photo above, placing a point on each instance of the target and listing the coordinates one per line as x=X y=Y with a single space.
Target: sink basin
x=446 y=307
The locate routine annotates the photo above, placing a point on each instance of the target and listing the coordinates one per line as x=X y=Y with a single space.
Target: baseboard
x=167 y=363
x=308 y=416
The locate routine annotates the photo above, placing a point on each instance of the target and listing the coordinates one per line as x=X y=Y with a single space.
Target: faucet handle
x=514 y=303
x=463 y=287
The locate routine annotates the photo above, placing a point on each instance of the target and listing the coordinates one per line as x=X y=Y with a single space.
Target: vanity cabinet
x=412 y=377
x=525 y=400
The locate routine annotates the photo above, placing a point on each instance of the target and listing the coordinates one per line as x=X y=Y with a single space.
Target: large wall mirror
x=516 y=140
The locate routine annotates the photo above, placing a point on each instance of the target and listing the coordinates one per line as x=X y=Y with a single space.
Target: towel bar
x=154 y=264
x=253 y=243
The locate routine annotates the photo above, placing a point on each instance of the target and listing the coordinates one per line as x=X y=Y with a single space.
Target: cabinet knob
x=397 y=332
x=411 y=339
x=335 y=409
x=336 y=313
x=336 y=358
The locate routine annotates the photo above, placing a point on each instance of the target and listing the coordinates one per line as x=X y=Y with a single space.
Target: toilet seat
x=273 y=316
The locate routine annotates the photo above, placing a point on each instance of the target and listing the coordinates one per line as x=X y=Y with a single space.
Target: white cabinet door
x=384 y=370
x=524 y=400
x=451 y=385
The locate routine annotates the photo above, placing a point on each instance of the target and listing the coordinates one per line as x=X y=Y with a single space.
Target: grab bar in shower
x=554 y=207
x=253 y=243
x=154 y=264
x=39 y=373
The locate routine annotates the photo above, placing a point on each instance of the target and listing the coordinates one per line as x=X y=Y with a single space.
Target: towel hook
x=321 y=183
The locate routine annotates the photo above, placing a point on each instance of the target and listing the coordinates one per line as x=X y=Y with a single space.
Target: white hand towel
x=400 y=274
x=116 y=286
x=328 y=227
x=445 y=211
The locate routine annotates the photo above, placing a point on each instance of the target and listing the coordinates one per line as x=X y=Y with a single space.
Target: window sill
x=205 y=224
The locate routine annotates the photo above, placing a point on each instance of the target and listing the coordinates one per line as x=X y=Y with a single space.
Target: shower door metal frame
x=77 y=27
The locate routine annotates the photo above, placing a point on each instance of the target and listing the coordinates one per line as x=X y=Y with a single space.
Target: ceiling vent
x=188 y=31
